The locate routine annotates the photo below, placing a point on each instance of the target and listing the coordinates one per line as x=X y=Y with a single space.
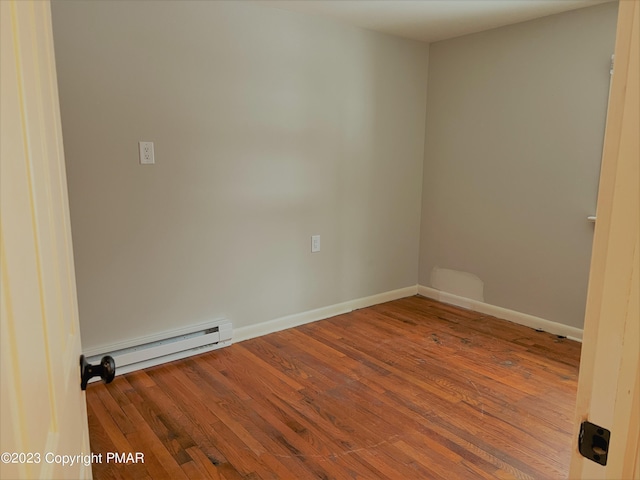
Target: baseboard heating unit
x=165 y=347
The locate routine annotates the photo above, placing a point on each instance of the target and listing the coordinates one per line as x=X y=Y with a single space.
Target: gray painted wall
x=269 y=127
x=515 y=126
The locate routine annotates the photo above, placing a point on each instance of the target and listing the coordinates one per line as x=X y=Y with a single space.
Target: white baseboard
x=525 y=319
x=278 y=324
x=252 y=331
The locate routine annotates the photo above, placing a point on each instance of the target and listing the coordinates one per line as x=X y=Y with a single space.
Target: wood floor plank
x=403 y=390
x=99 y=414
x=156 y=452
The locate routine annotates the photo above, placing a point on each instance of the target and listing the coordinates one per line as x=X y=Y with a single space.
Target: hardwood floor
x=410 y=389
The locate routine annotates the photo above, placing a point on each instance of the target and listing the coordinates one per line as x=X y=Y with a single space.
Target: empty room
x=320 y=239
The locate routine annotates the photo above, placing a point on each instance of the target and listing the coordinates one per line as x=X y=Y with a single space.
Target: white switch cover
x=146 y=153
x=315 y=243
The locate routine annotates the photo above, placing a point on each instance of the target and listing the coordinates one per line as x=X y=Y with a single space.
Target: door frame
x=609 y=382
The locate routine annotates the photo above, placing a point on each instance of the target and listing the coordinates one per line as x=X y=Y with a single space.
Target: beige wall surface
x=515 y=126
x=269 y=127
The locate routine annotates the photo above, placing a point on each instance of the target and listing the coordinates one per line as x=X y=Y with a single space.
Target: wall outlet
x=315 y=243
x=146 y=153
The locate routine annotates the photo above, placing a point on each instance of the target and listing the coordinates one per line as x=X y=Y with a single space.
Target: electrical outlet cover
x=146 y=153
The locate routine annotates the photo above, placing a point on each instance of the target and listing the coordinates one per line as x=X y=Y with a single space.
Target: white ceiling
x=430 y=20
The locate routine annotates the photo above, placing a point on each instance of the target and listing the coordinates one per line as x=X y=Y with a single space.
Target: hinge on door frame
x=593 y=442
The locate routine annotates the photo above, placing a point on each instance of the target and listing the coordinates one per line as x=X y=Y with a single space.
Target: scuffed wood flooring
x=410 y=389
